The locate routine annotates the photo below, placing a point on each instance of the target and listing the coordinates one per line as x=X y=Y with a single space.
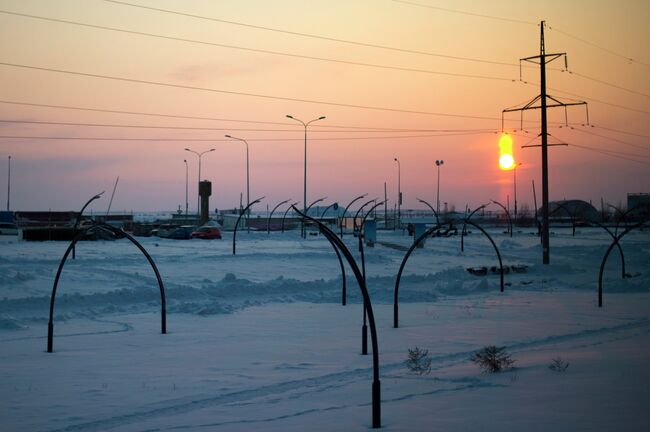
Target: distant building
x=570 y=209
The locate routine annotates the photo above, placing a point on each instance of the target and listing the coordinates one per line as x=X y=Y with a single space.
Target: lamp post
x=304 y=198
x=438 y=163
x=248 y=194
x=514 y=174
x=399 y=191
x=346 y=210
x=198 y=210
x=8 y=181
x=186 y=188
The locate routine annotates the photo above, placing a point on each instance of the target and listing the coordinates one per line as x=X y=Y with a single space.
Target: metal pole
x=198 y=197
x=304 y=197
x=438 y=163
x=347 y=207
x=186 y=188
x=399 y=191
x=545 y=228
x=8 y=182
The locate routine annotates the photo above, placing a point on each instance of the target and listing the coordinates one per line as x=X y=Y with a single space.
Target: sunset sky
x=238 y=67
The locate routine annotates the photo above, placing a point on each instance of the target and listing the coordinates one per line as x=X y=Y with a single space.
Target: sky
x=422 y=80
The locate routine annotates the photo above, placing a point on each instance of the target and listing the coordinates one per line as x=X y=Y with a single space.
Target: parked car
x=207 y=233
x=183 y=232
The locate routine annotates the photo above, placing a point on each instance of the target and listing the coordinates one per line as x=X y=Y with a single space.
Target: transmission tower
x=541 y=102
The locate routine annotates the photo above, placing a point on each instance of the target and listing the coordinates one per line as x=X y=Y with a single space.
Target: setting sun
x=506 y=160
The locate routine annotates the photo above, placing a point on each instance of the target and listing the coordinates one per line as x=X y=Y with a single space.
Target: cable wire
x=249 y=94
x=456 y=11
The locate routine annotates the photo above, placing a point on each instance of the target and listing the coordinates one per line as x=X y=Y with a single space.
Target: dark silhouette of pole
x=432 y=209
x=234 y=235
x=198 y=209
x=361 y=235
x=419 y=240
x=399 y=192
x=322 y=215
x=304 y=197
x=268 y=221
x=617 y=239
x=346 y=210
x=514 y=182
x=248 y=178
x=78 y=219
x=376 y=385
x=620 y=249
x=304 y=228
x=8 y=182
x=438 y=164
x=186 y=189
x=287 y=211
x=77 y=237
x=542 y=59
x=505 y=209
x=356 y=215
x=463 y=232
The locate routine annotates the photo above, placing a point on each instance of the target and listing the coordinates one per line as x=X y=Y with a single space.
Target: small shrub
x=492 y=359
x=558 y=365
x=418 y=361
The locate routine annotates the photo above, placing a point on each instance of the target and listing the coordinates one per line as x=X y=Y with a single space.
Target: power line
x=72 y=138
x=612 y=153
x=607 y=50
x=194 y=128
x=611 y=139
x=249 y=94
x=456 y=11
x=263 y=51
x=313 y=36
x=608 y=84
x=78 y=108
x=621 y=131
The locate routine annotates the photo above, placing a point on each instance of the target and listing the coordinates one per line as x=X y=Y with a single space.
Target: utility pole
x=8 y=182
x=542 y=59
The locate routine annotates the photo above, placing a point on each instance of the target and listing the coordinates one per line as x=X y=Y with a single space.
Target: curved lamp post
x=356 y=215
x=361 y=235
x=304 y=229
x=462 y=232
x=376 y=386
x=198 y=210
x=76 y=222
x=427 y=233
x=304 y=197
x=186 y=188
x=234 y=235
x=432 y=209
x=50 y=324
x=268 y=221
x=507 y=215
x=322 y=215
x=287 y=211
x=347 y=207
x=617 y=239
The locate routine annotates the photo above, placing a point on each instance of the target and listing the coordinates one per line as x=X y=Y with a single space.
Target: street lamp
x=438 y=163
x=198 y=210
x=514 y=173
x=8 y=181
x=304 y=198
x=399 y=191
x=186 y=188
x=248 y=191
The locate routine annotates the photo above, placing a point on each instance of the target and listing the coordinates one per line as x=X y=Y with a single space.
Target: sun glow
x=506 y=160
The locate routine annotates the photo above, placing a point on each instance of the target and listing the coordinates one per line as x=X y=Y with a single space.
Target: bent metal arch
x=376 y=386
x=50 y=324
x=412 y=248
x=617 y=239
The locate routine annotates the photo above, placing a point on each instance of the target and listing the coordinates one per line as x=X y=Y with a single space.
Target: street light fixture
x=198 y=210
x=438 y=163
x=248 y=191
x=399 y=191
x=186 y=188
x=304 y=198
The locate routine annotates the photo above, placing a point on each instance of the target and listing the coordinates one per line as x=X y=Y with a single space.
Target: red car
x=207 y=233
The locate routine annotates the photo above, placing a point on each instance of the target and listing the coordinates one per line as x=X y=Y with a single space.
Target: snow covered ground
x=260 y=341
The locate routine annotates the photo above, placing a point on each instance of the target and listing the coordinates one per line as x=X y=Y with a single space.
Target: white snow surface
x=260 y=340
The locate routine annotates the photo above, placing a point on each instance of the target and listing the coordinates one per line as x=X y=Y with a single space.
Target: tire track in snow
x=323 y=382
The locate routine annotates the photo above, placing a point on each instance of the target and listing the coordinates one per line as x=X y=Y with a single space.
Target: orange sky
x=359 y=156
